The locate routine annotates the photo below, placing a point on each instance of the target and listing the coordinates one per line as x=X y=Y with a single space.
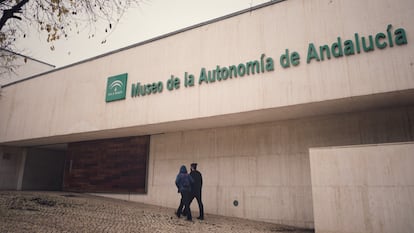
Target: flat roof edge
x=28 y=57
x=231 y=15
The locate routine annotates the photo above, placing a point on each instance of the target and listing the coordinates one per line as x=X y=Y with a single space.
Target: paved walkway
x=72 y=212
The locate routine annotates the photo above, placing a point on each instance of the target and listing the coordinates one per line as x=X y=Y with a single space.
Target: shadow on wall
x=43 y=169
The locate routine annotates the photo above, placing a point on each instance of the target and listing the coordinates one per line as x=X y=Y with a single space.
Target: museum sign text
x=353 y=45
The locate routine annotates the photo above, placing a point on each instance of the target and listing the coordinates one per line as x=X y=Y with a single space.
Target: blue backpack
x=186 y=182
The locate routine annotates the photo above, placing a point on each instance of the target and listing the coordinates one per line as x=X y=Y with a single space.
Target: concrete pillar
x=363 y=189
x=20 y=168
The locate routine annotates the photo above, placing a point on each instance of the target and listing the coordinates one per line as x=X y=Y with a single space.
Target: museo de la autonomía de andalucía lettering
x=339 y=48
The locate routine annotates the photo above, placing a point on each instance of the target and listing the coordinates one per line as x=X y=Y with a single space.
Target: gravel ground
x=73 y=212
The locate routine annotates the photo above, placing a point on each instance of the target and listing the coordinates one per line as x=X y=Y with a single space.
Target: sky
x=150 y=19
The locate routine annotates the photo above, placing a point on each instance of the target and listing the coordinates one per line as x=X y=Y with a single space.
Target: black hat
x=194 y=165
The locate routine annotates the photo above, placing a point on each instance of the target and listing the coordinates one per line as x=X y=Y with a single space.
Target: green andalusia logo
x=116 y=87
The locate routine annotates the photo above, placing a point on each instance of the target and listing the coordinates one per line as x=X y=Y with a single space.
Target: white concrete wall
x=363 y=189
x=264 y=166
x=75 y=96
x=11 y=168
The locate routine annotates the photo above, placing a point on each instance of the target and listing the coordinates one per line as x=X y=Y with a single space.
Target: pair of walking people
x=189 y=185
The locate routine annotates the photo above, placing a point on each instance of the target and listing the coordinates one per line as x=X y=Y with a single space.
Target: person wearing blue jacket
x=184 y=183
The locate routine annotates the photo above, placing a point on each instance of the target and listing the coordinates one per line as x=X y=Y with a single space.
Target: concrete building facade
x=246 y=96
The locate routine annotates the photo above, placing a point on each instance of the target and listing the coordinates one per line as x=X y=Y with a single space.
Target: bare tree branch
x=58 y=18
x=10 y=13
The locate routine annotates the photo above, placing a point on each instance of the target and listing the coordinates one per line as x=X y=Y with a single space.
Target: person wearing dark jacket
x=184 y=182
x=198 y=184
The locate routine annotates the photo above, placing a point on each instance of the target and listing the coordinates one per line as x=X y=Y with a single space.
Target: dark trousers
x=185 y=202
x=197 y=196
